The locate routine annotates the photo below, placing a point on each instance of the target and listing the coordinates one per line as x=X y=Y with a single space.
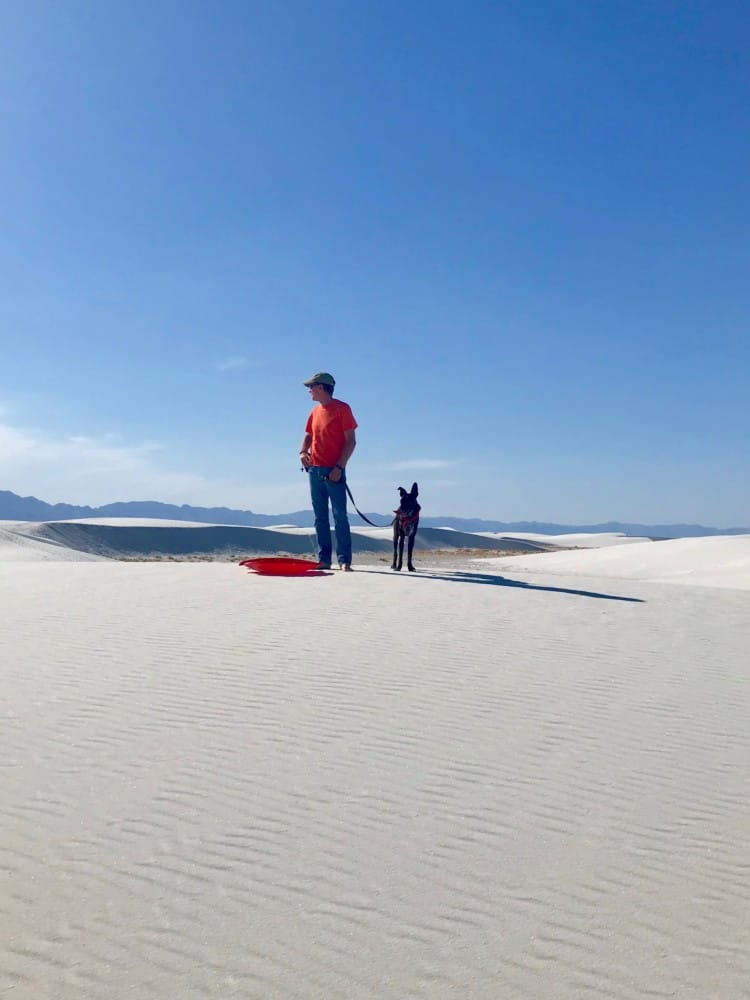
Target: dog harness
x=408 y=522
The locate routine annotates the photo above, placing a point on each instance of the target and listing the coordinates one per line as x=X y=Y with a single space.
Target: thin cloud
x=232 y=364
x=87 y=469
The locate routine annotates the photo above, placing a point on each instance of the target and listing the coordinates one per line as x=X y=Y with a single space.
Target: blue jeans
x=321 y=491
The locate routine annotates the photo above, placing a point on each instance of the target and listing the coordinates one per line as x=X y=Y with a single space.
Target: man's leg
x=337 y=493
x=319 y=497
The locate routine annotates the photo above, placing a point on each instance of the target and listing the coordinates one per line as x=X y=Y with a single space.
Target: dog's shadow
x=492 y=580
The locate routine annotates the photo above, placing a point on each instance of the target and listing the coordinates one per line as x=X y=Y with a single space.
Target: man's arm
x=350 y=443
x=304 y=450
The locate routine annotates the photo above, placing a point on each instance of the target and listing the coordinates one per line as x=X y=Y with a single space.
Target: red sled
x=279 y=566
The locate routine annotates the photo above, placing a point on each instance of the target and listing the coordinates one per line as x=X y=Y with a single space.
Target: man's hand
x=335 y=474
x=304 y=457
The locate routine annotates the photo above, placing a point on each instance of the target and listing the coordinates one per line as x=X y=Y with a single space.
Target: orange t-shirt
x=327 y=424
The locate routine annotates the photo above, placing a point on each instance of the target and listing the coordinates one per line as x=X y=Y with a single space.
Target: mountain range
x=17 y=508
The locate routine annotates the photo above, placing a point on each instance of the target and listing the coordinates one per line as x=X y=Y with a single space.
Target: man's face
x=318 y=393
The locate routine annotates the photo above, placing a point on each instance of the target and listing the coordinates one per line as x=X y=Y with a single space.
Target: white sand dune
x=21 y=541
x=571 y=540
x=494 y=784
x=143 y=537
x=718 y=561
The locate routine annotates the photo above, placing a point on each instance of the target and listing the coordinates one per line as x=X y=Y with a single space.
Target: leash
x=360 y=512
x=354 y=504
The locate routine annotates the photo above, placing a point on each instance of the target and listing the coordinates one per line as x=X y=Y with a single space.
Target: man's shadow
x=492 y=580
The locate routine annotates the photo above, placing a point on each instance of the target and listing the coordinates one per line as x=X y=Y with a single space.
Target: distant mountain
x=16 y=508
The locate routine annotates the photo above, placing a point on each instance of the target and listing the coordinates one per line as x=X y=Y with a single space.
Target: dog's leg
x=399 y=555
x=409 y=550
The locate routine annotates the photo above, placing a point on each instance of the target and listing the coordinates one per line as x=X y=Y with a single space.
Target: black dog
x=405 y=525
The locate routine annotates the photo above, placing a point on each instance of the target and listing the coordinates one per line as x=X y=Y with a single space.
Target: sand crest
x=718 y=561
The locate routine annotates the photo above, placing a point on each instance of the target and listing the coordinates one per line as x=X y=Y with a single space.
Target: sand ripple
x=219 y=785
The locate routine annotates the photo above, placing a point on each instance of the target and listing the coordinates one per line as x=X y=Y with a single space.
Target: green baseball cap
x=324 y=378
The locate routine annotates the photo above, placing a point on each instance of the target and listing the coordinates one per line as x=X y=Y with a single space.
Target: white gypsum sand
x=497 y=782
x=718 y=561
x=571 y=540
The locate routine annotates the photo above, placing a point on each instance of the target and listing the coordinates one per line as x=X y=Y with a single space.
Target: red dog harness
x=407 y=522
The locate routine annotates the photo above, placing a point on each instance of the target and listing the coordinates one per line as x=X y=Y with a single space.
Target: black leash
x=303 y=469
x=360 y=512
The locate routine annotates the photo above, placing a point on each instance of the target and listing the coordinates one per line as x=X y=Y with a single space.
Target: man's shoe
x=347 y=567
x=323 y=565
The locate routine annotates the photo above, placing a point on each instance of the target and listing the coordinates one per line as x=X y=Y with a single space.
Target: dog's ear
x=414 y=490
x=402 y=491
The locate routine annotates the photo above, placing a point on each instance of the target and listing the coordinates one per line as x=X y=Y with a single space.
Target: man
x=326 y=448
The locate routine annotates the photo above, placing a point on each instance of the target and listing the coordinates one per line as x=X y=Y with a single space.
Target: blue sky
x=516 y=232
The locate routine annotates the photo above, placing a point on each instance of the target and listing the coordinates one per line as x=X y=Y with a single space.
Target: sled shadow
x=493 y=580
